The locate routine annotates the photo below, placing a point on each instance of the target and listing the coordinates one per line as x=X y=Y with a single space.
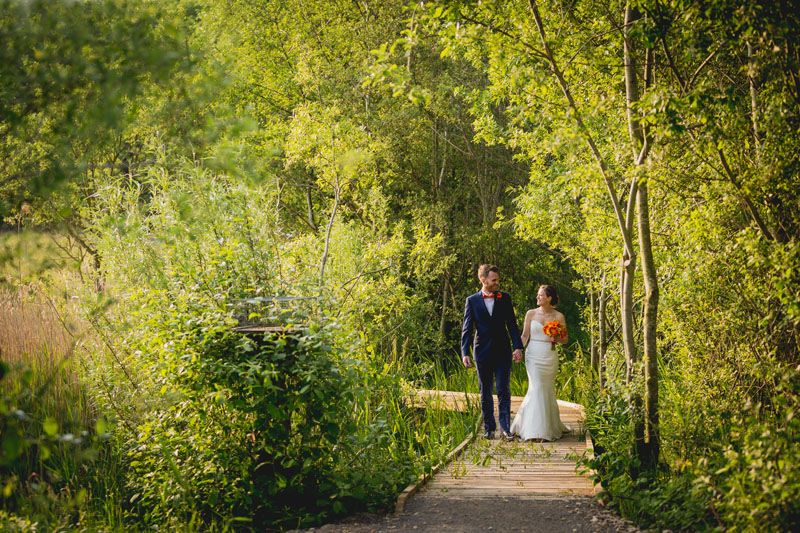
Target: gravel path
x=546 y=514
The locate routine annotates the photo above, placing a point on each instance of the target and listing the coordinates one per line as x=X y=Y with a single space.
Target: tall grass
x=72 y=479
x=445 y=429
x=34 y=341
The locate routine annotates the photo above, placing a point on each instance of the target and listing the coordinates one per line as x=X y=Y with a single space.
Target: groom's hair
x=484 y=270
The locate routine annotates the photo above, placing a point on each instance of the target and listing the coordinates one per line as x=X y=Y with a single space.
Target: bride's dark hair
x=551 y=292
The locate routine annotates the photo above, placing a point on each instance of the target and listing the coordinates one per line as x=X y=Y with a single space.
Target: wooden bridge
x=480 y=468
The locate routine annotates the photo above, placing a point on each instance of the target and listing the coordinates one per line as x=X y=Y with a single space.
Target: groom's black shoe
x=488 y=435
x=506 y=436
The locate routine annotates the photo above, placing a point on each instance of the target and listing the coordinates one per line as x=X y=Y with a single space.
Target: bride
x=538 y=416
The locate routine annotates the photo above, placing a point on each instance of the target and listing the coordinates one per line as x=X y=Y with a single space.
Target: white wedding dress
x=538 y=417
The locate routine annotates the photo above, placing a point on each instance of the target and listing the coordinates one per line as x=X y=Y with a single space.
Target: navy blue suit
x=492 y=337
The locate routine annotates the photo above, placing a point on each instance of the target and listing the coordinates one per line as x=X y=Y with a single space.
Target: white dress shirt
x=489 y=302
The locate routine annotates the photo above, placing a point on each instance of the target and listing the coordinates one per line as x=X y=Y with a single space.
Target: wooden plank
x=267 y=329
x=516 y=487
x=464 y=400
x=539 y=463
x=529 y=484
x=470 y=481
x=508 y=469
x=519 y=493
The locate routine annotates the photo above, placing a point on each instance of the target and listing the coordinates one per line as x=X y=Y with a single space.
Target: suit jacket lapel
x=481 y=306
x=485 y=310
x=498 y=303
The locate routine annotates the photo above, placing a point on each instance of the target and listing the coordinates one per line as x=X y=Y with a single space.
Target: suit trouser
x=498 y=371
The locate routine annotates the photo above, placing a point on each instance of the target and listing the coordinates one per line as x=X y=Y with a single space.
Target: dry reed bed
x=31 y=331
x=33 y=336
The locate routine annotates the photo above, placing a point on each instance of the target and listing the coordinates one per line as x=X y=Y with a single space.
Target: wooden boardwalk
x=480 y=468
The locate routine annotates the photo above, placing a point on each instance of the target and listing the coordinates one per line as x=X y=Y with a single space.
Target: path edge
x=596 y=487
x=402 y=498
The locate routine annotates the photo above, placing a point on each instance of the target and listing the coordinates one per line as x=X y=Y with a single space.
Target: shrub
x=263 y=430
x=660 y=499
x=753 y=482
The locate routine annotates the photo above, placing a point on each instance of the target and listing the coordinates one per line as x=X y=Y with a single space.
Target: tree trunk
x=99 y=279
x=623 y=219
x=328 y=235
x=648 y=454
x=751 y=79
x=593 y=352
x=443 y=319
x=645 y=417
x=601 y=333
x=310 y=208
x=627 y=273
x=631 y=81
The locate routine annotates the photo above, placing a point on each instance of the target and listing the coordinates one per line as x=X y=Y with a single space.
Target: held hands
x=516 y=356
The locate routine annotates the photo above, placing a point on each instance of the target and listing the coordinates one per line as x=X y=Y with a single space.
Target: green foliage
x=739 y=479
x=721 y=163
x=67 y=72
x=370 y=155
x=11 y=522
x=750 y=481
x=261 y=429
x=658 y=499
x=278 y=431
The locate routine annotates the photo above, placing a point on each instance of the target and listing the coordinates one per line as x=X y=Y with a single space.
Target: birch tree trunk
x=443 y=317
x=328 y=230
x=623 y=219
x=593 y=351
x=645 y=420
x=650 y=446
x=627 y=273
x=601 y=333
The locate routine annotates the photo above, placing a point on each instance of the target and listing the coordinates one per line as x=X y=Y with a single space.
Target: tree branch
x=328 y=235
x=750 y=206
x=700 y=68
x=584 y=129
x=536 y=52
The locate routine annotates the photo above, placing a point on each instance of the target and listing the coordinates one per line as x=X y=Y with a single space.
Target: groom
x=490 y=315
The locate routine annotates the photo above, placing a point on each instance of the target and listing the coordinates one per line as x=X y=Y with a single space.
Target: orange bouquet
x=556 y=331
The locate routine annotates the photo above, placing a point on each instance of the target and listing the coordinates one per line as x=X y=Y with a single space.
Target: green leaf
x=100 y=426
x=50 y=427
x=8 y=488
x=13 y=444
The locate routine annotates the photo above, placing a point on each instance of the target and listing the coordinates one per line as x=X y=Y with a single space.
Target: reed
x=34 y=342
x=45 y=381
x=29 y=328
